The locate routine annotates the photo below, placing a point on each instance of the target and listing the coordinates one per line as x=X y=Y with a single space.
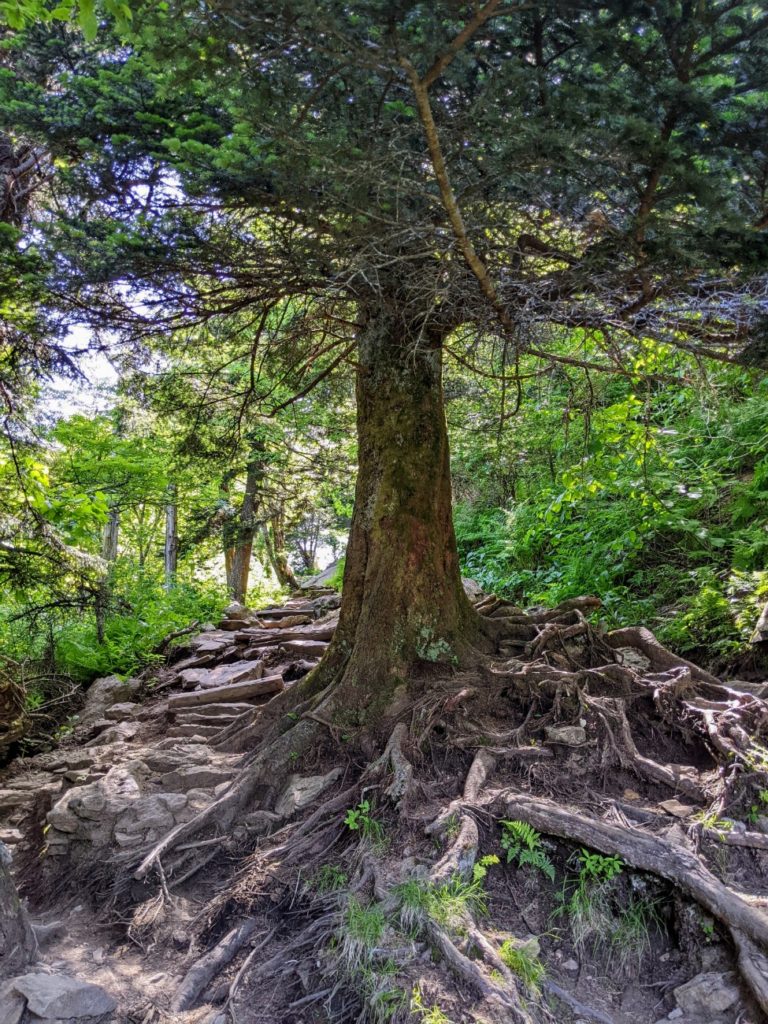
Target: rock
x=571 y=965
x=12 y=1005
x=103 y=692
x=235 y=610
x=473 y=590
x=568 y=735
x=195 y=777
x=302 y=790
x=678 y=809
x=225 y=694
x=10 y=798
x=222 y=675
x=707 y=994
x=675 y=1014
x=122 y=732
x=118 y=712
x=306 y=648
x=60 y=996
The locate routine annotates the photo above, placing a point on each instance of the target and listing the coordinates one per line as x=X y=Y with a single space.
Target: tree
x=327 y=179
x=334 y=173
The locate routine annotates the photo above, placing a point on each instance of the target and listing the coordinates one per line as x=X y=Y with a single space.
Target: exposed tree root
x=748 y=925
x=208 y=966
x=556 y=713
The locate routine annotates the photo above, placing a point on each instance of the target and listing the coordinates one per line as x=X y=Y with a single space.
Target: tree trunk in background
x=274 y=541
x=171 y=548
x=109 y=554
x=403 y=602
x=110 y=536
x=17 y=941
x=246 y=527
x=228 y=532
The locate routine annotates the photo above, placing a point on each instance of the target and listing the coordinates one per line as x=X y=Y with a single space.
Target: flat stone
x=195 y=777
x=61 y=996
x=195 y=729
x=568 y=735
x=676 y=808
x=571 y=965
x=10 y=798
x=233 y=691
x=707 y=994
x=126 y=839
x=122 y=732
x=301 y=790
x=223 y=675
x=306 y=648
x=121 y=711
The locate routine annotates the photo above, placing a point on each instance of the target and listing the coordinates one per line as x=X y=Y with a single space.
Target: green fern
x=523 y=845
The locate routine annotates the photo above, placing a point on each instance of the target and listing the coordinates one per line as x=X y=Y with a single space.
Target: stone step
x=195 y=719
x=285 y=611
x=225 y=694
x=219 y=710
x=305 y=648
x=267 y=637
x=194 y=730
x=10 y=798
x=222 y=675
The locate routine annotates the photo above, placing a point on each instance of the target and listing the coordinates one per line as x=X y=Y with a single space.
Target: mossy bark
x=403 y=604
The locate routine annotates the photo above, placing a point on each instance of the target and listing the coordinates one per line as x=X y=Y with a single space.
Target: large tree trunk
x=403 y=603
x=17 y=941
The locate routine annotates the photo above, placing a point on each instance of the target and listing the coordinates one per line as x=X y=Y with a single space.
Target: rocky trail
x=350 y=890
x=137 y=762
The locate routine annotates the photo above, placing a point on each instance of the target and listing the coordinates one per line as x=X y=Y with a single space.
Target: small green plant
x=452 y=827
x=329 y=878
x=595 y=867
x=708 y=928
x=523 y=961
x=361 y=931
x=448 y=904
x=384 y=997
x=629 y=939
x=33 y=700
x=756 y=811
x=427 y=1014
x=710 y=821
x=523 y=845
x=451 y=902
x=480 y=868
x=360 y=819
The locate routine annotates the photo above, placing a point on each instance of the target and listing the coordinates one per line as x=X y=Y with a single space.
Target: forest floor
x=576 y=831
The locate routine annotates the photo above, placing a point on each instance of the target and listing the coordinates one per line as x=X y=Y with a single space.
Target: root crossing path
x=573 y=829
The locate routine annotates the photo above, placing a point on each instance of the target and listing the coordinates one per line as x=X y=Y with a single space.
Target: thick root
x=648 y=853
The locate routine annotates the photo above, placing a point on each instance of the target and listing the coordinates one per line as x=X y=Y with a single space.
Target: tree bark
x=246 y=528
x=403 y=603
x=274 y=541
x=171 y=549
x=17 y=941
